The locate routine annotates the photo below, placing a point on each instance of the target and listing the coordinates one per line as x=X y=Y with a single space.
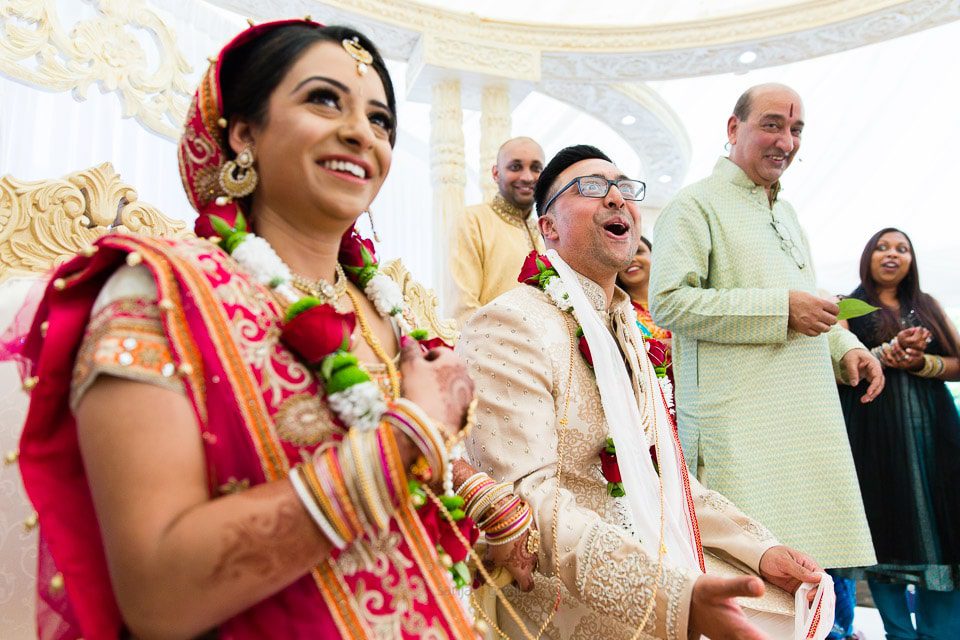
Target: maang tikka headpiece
x=358 y=53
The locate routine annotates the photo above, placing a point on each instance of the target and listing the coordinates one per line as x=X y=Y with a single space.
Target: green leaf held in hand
x=854 y=308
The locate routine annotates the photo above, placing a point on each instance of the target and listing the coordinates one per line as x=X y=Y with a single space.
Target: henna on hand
x=456 y=389
x=515 y=558
x=264 y=544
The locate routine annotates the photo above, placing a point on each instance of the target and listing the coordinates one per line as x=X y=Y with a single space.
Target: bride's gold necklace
x=393 y=375
x=321 y=289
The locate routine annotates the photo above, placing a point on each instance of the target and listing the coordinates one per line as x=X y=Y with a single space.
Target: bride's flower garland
x=538 y=272
x=320 y=335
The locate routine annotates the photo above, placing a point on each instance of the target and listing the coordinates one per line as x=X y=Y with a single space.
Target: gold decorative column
x=448 y=168
x=495 y=129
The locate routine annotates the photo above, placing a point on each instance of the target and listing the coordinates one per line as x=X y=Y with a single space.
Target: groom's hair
x=557 y=165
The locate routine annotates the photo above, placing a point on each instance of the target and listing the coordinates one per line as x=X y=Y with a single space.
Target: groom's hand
x=714 y=612
x=788 y=568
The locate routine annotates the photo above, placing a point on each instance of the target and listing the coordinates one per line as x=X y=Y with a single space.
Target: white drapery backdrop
x=46 y=134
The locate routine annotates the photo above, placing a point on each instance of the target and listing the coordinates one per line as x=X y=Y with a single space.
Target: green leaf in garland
x=419 y=334
x=417 y=495
x=368 y=260
x=451 y=502
x=220 y=225
x=366 y=274
x=461 y=574
x=345 y=378
x=336 y=360
x=609 y=447
x=231 y=243
x=241 y=224
x=854 y=308
x=580 y=335
x=541 y=267
x=615 y=490
x=303 y=304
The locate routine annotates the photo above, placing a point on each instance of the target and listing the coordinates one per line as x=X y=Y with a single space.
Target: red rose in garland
x=358 y=257
x=584 y=347
x=658 y=352
x=317 y=331
x=611 y=470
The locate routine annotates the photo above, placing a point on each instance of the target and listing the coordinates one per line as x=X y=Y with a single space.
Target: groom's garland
x=320 y=335
x=538 y=272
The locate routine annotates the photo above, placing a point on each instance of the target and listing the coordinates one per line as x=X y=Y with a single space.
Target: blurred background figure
x=906 y=444
x=635 y=280
x=490 y=240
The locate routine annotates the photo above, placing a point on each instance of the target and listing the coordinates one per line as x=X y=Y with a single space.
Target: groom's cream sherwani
x=519 y=351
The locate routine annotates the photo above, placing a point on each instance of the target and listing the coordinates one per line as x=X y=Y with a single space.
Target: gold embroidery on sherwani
x=721 y=503
x=522 y=340
x=509 y=213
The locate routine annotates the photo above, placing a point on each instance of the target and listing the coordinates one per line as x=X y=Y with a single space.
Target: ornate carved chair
x=43 y=224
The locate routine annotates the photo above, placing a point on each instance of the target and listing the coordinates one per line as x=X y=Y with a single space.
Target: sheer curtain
x=46 y=134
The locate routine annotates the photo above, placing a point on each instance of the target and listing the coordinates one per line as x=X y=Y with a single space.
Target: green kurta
x=758 y=411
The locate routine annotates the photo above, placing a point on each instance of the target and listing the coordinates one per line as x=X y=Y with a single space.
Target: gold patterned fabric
x=518 y=348
x=488 y=244
x=125 y=339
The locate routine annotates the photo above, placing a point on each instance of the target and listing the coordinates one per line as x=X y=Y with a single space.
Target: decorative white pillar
x=495 y=129
x=448 y=170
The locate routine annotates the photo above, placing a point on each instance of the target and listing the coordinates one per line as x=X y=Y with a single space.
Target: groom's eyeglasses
x=598 y=187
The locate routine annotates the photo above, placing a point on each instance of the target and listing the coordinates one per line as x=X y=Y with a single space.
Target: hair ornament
x=358 y=53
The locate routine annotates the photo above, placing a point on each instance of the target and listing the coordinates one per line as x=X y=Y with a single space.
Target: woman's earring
x=238 y=178
x=372 y=227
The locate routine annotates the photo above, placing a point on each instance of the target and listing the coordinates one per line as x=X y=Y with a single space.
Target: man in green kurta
x=756 y=349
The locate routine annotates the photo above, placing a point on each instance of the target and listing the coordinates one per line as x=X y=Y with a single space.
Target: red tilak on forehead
x=791 y=109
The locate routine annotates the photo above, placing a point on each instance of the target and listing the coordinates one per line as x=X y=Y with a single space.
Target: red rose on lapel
x=530 y=271
x=317 y=332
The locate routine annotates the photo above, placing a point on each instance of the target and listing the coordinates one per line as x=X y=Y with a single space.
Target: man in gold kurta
x=756 y=349
x=490 y=240
x=542 y=422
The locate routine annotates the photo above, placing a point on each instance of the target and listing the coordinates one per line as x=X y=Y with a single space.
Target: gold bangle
x=374 y=507
x=933 y=366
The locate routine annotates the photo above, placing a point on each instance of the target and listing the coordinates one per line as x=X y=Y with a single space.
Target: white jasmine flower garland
x=361 y=404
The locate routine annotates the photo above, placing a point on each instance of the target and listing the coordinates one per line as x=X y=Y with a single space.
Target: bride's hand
x=516 y=558
x=438 y=382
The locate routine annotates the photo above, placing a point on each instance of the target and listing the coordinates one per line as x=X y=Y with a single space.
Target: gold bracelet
x=933 y=366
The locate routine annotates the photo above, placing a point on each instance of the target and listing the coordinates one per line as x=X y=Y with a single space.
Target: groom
x=549 y=401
